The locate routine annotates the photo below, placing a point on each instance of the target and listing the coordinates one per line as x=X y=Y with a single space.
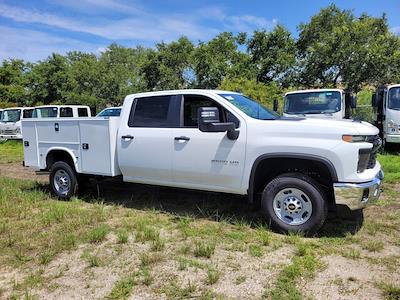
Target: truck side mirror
x=374 y=103
x=276 y=105
x=353 y=102
x=209 y=121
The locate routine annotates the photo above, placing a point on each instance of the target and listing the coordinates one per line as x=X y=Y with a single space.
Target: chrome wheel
x=62 y=182
x=292 y=206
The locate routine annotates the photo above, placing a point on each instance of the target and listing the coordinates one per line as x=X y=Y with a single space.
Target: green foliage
x=274 y=54
x=335 y=48
x=338 y=47
x=264 y=93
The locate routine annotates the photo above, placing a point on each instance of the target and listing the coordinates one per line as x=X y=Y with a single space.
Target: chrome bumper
x=11 y=137
x=358 y=195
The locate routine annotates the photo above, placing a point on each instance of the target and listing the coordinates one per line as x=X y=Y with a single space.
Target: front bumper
x=393 y=138
x=11 y=137
x=358 y=195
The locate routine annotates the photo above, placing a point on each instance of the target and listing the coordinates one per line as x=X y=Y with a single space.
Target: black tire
x=71 y=189
x=311 y=192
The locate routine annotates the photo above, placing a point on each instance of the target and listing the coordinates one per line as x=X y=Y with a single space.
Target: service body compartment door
x=98 y=138
x=31 y=158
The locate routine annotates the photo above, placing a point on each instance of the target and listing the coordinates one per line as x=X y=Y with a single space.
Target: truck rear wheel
x=294 y=202
x=63 y=180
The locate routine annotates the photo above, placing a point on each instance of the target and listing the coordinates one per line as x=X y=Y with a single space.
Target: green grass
x=390 y=291
x=391 y=166
x=11 y=152
x=123 y=288
x=35 y=228
x=303 y=265
x=204 y=249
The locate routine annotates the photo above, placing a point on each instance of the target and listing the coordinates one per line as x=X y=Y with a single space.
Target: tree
x=264 y=93
x=220 y=58
x=274 y=54
x=13 y=81
x=168 y=66
x=120 y=73
x=48 y=80
x=335 y=48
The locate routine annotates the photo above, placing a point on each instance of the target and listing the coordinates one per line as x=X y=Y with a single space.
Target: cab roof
x=182 y=92
x=58 y=106
x=314 y=91
x=11 y=108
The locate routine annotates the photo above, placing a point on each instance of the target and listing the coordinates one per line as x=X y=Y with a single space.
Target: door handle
x=127 y=137
x=182 y=138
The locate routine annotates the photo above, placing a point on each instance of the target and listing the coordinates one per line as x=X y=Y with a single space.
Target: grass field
x=150 y=242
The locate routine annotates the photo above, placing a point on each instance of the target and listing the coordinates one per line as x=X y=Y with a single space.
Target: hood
x=316 y=128
x=343 y=126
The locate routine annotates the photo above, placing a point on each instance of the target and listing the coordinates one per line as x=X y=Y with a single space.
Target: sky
x=32 y=30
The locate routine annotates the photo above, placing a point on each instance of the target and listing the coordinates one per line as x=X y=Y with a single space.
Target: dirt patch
x=348 y=279
x=17 y=171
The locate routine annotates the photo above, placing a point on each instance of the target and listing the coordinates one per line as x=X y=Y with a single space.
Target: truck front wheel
x=63 y=180
x=294 y=203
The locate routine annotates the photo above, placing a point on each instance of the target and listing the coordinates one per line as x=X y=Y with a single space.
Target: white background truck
x=10 y=125
x=216 y=141
x=61 y=111
x=386 y=102
x=319 y=103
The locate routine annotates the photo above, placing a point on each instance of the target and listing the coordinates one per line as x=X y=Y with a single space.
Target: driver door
x=207 y=160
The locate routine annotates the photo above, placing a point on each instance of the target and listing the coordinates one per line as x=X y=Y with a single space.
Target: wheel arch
x=60 y=154
x=325 y=165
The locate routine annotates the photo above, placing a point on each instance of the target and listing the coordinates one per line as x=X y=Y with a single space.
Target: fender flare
x=326 y=162
x=70 y=153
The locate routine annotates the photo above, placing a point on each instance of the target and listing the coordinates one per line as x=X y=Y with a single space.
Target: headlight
x=18 y=130
x=392 y=126
x=356 y=138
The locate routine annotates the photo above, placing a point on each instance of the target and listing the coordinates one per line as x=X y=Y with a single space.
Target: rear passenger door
x=146 y=141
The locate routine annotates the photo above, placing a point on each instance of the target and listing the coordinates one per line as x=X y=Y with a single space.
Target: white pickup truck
x=216 y=141
x=319 y=103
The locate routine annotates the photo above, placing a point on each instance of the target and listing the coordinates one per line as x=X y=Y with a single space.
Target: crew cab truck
x=215 y=141
x=319 y=103
x=386 y=104
x=61 y=111
x=10 y=125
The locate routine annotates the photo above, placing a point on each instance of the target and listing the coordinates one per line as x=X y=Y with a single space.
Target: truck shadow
x=212 y=206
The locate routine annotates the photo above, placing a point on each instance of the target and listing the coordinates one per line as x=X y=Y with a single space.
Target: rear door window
x=151 y=112
x=66 y=112
x=83 y=112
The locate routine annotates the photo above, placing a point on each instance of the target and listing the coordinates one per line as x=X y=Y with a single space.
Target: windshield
x=394 y=98
x=45 y=112
x=1 y=113
x=250 y=107
x=313 y=103
x=110 y=112
x=12 y=115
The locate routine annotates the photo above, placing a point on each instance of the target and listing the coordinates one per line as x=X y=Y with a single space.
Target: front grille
x=8 y=131
x=377 y=143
